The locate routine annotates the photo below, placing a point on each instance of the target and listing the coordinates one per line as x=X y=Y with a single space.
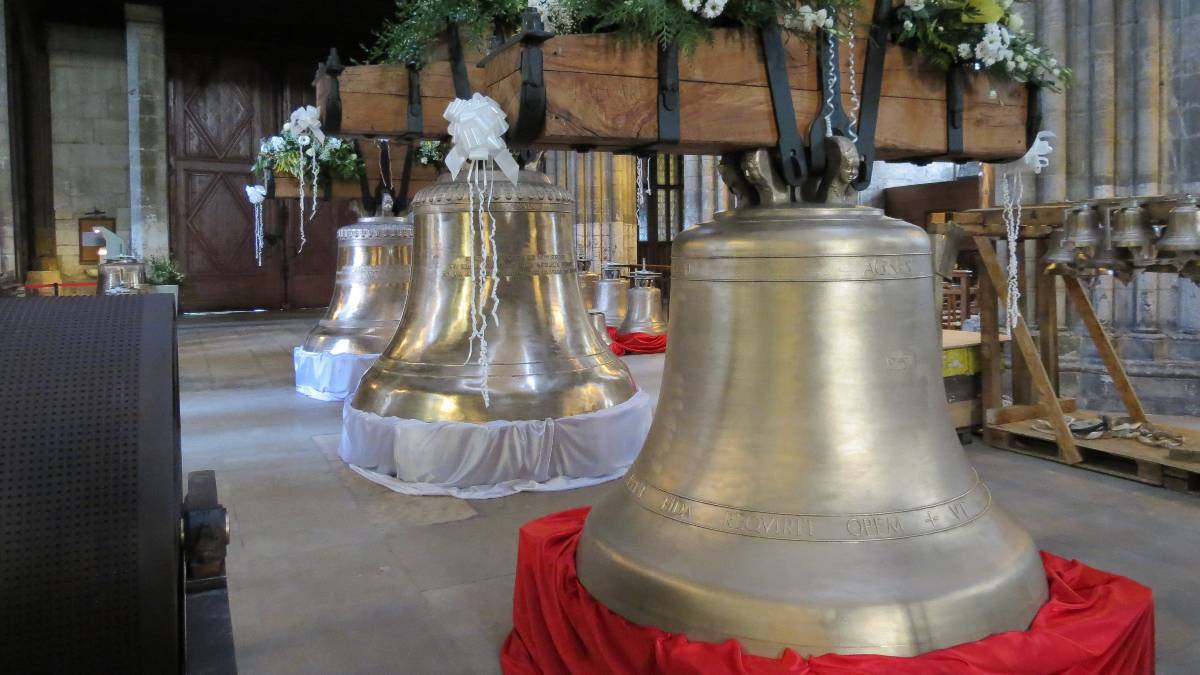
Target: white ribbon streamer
x=477 y=127
x=257 y=194
x=1011 y=189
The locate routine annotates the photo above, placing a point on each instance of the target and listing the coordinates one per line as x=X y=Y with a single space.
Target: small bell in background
x=1062 y=256
x=612 y=294
x=644 y=309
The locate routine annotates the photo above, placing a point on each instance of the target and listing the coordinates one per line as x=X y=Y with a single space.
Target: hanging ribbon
x=1011 y=189
x=477 y=128
x=257 y=194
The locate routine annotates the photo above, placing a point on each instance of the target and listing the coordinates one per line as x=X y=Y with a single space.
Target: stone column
x=146 y=78
x=8 y=244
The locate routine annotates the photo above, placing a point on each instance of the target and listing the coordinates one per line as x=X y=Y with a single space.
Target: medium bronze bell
x=802 y=485
x=1083 y=226
x=1132 y=229
x=1107 y=258
x=643 y=308
x=587 y=282
x=546 y=361
x=374 y=264
x=612 y=295
x=1061 y=258
x=1182 y=236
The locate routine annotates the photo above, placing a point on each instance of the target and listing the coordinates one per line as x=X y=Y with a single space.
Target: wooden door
x=221 y=104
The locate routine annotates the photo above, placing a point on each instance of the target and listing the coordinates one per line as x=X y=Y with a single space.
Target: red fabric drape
x=615 y=346
x=1094 y=622
x=639 y=343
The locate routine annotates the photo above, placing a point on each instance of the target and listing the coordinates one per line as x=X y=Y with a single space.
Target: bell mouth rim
x=788 y=211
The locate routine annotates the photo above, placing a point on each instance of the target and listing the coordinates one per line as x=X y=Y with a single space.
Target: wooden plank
x=286 y=187
x=1104 y=346
x=1024 y=341
x=1122 y=447
x=1047 y=315
x=1016 y=413
x=601 y=92
x=1022 y=382
x=991 y=354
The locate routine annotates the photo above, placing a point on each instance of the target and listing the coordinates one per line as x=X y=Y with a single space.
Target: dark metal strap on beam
x=531 y=110
x=458 y=66
x=872 y=90
x=333 y=69
x=792 y=155
x=416 y=120
x=400 y=198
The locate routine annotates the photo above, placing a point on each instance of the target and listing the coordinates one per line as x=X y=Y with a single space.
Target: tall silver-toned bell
x=612 y=295
x=587 y=282
x=802 y=485
x=546 y=361
x=1083 y=226
x=643 y=309
x=1182 y=235
x=1062 y=256
x=374 y=264
x=596 y=318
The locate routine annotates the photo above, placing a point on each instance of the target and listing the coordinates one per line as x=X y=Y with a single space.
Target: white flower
x=713 y=8
x=915 y=5
x=303 y=140
x=333 y=143
x=287 y=126
x=257 y=194
x=908 y=25
x=808 y=20
x=691 y=5
x=964 y=51
x=1015 y=22
x=277 y=142
x=264 y=148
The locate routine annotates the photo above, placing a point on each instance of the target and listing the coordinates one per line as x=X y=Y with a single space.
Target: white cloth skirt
x=499 y=458
x=329 y=377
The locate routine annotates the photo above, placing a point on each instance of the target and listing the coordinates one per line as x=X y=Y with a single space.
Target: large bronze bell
x=643 y=308
x=612 y=295
x=374 y=263
x=802 y=485
x=1083 y=226
x=545 y=361
x=1182 y=235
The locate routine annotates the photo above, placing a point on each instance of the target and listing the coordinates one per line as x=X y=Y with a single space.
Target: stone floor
x=329 y=572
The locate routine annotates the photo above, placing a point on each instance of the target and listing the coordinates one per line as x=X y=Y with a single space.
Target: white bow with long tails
x=1011 y=187
x=477 y=127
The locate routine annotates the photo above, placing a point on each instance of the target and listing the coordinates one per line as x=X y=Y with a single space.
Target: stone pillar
x=8 y=243
x=146 y=78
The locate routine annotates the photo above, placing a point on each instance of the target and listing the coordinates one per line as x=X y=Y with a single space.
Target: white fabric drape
x=495 y=459
x=329 y=377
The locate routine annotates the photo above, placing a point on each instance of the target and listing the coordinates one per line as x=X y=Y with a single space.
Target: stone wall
x=90 y=134
x=8 y=258
x=1129 y=125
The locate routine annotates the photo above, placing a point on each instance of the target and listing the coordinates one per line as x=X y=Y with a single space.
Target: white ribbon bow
x=477 y=128
x=307 y=120
x=257 y=194
x=1036 y=158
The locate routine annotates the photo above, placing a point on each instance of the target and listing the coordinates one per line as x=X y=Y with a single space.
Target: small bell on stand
x=644 y=310
x=1180 y=242
x=1062 y=256
x=612 y=294
x=587 y=281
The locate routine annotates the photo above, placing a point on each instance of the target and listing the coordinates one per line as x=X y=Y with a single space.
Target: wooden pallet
x=1123 y=457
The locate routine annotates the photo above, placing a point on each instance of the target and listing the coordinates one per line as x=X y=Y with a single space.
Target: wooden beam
x=1018 y=413
x=1108 y=354
x=1046 y=299
x=991 y=353
x=1024 y=341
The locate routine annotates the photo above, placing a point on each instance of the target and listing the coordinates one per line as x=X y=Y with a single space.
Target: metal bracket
x=458 y=67
x=1033 y=115
x=955 y=84
x=872 y=90
x=793 y=158
x=416 y=119
x=531 y=101
x=205 y=533
x=269 y=181
x=385 y=175
x=668 y=95
x=332 y=119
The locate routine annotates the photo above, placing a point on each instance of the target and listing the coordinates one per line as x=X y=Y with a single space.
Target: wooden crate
x=375 y=97
x=286 y=187
x=601 y=91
